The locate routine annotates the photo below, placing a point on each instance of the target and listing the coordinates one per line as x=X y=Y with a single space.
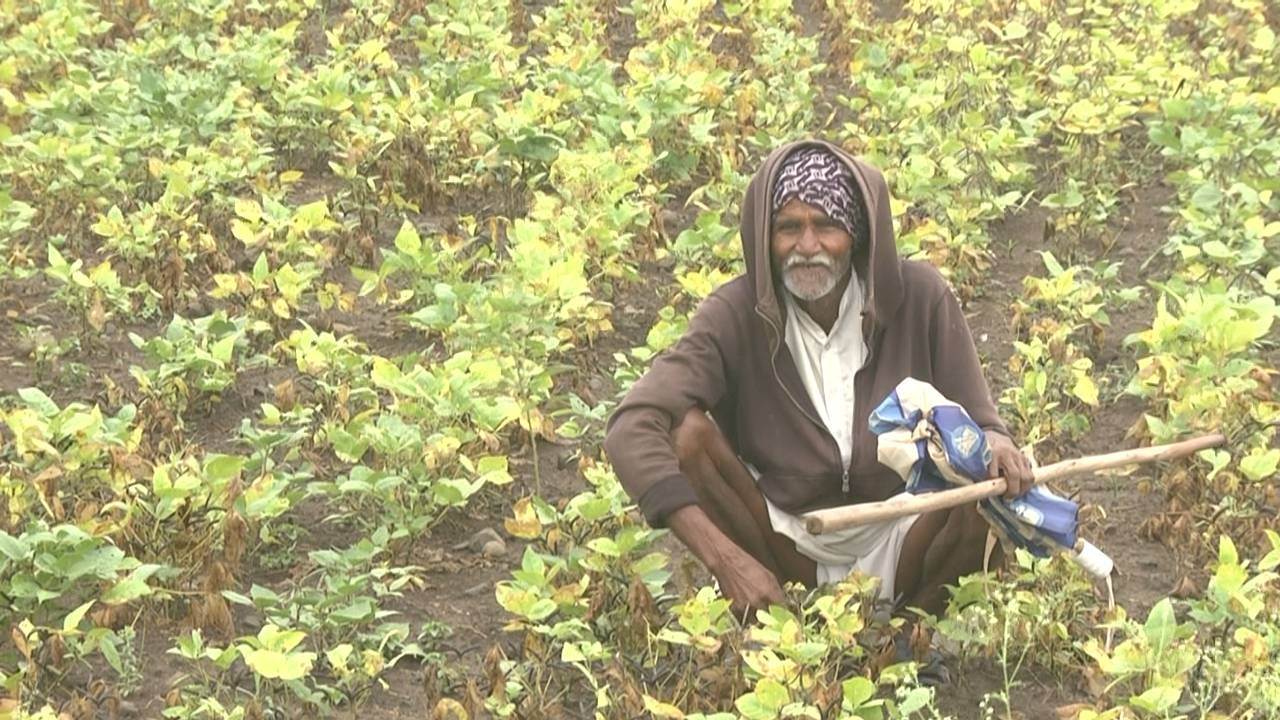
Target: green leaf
x=261 y=269
x=1069 y=198
x=220 y=468
x=71 y=623
x=108 y=648
x=222 y=349
x=56 y=260
x=765 y=702
x=385 y=374
x=1051 y=263
x=915 y=700
x=1015 y=30
x=13 y=548
x=858 y=690
x=1161 y=626
x=1218 y=459
x=1217 y=250
x=79 y=422
x=1259 y=465
x=360 y=610
x=493 y=469
x=454 y=491
x=1207 y=197
x=310 y=216
x=1227 y=554
x=1157 y=700
x=407 y=239
x=132 y=587
x=38 y=401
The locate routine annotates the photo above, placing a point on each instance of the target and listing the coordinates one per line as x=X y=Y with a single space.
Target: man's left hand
x=1007 y=461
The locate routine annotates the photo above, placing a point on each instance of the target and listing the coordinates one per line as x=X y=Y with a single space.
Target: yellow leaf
x=1255 y=647
x=661 y=709
x=449 y=709
x=244 y=232
x=524 y=524
x=1086 y=390
x=248 y=210
x=274 y=664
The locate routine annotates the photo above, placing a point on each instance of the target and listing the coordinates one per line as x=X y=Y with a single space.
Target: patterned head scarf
x=817 y=177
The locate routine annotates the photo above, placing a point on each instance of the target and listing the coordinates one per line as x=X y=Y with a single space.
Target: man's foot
x=931 y=668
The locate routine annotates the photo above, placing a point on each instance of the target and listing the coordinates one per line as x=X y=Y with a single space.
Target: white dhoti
x=873 y=549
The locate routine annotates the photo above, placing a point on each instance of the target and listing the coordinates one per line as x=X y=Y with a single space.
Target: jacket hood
x=875 y=261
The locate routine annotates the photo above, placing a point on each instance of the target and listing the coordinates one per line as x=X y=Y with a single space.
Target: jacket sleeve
x=957 y=371
x=690 y=374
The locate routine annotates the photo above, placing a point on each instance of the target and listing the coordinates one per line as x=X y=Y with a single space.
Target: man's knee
x=691 y=437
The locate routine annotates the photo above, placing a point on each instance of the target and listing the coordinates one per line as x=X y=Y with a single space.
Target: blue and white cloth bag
x=933 y=444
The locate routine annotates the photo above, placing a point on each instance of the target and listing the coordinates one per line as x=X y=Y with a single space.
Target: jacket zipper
x=844 y=469
x=858 y=396
x=773 y=364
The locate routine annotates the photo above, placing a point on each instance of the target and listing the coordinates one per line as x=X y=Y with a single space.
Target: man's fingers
x=1028 y=472
x=1001 y=469
x=1015 y=478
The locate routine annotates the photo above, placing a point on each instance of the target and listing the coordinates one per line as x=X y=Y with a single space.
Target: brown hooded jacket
x=734 y=362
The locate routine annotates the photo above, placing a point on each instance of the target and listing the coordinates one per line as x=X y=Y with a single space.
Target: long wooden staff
x=836 y=518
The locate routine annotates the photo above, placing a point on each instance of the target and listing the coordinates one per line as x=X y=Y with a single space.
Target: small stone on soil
x=478 y=541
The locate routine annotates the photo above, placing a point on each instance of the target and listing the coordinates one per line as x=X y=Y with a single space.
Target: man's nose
x=808 y=244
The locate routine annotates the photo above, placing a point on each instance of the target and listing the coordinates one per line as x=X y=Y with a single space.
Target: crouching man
x=759 y=413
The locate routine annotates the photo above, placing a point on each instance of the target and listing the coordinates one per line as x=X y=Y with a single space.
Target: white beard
x=811 y=278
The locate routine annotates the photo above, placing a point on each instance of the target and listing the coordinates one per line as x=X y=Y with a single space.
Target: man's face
x=811 y=251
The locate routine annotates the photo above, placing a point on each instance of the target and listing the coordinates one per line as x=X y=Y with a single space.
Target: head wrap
x=817 y=177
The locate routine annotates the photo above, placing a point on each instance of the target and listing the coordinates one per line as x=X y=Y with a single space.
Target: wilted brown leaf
x=473 y=701
x=286 y=394
x=1186 y=588
x=96 y=313
x=493 y=671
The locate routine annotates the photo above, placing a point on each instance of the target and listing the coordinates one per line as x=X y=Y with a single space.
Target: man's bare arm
x=743 y=580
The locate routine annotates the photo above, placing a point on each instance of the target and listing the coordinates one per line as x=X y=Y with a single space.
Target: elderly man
x=789 y=359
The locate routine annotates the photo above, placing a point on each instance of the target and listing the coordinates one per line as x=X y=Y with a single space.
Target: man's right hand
x=743 y=579
x=749 y=585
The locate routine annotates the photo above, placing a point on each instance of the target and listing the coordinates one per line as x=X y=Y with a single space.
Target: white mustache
x=823 y=259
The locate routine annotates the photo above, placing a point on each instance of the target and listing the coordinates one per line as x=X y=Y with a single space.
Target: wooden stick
x=836 y=518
